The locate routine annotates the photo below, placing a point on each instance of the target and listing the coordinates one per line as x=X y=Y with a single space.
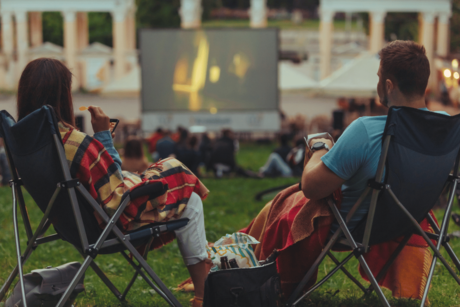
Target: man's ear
x=389 y=86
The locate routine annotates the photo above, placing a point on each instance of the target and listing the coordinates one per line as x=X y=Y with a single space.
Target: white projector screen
x=220 y=72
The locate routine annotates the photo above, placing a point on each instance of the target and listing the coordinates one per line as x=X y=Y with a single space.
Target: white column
x=119 y=43
x=70 y=46
x=22 y=38
x=82 y=30
x=326 y=28
x=36 y=29
x=190 y=12
x=377 y=35
x=7 y=49
x=442 y=48
x=131 y=29
x=7 y=35
x=258 y=13
x=427 y=40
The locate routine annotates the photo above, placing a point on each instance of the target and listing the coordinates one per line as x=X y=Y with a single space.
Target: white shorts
x=192 y=238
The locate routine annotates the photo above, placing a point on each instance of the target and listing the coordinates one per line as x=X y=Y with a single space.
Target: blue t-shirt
x=354 y=158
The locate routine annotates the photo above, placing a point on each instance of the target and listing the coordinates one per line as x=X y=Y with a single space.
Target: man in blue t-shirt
x=403 y=76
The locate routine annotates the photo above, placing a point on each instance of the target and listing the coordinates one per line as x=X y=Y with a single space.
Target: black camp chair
x=34 y=149
x=419 y=151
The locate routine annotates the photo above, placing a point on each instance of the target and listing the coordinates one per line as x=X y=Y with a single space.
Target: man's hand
x=318 y=181
x=99 y=120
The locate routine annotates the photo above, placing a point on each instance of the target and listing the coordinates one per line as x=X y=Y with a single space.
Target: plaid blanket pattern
x=94 y=167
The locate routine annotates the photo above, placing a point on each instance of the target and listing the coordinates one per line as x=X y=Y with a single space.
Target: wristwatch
x=318 y=146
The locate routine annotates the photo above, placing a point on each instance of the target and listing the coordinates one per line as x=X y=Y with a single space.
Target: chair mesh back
x=36 y=159
x=423 y=151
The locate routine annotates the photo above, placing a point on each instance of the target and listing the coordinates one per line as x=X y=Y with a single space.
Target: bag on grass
x=45 y=287
x=243 y=287
x=236 y=246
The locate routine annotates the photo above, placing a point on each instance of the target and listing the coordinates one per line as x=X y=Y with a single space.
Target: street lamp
x=447 y=73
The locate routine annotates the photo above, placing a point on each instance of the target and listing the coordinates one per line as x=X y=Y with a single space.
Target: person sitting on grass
x=97 y=165
x=276 y=164
x=298 y=222
x=134 y=159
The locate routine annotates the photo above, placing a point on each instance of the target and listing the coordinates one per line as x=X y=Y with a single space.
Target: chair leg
x=106 y=280
x=329 y=275
x=18 y=245
x=75 y=281
x=390 y=261
x=446 y=245
x=138 y=269
x=374 y=283
x=8 y=282
x=131 y=282
x=292 y=301
x=452 y=255
x=345 y=271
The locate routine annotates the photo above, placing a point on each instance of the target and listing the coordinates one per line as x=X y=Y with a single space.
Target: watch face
x=318 y=145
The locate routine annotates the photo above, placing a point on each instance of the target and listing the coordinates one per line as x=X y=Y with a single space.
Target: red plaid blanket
x=94 y=167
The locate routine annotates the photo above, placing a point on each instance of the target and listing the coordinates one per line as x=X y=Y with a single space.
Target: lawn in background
x=229 y=207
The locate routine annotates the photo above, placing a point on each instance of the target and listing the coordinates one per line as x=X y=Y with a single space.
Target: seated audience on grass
x=48 y=82
x=194 y=154
x=152 y=141
x=222 y=158
x=296 y=156
x=276 y=164
x=134 y=160
x=205 y=148
x=298 y=222
x=165 y=147
x=184 y=151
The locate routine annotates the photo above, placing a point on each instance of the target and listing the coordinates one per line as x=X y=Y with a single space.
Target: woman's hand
x=99 y=120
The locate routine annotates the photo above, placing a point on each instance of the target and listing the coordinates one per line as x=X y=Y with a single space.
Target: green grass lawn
x=230 y=206
x=308 y=24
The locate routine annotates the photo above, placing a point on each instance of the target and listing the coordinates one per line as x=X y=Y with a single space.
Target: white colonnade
x=24 y=17
x=191 y=12
x=433 y=12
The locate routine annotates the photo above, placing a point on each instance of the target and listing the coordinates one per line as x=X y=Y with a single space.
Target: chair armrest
x=153 y=190
x=158 y=228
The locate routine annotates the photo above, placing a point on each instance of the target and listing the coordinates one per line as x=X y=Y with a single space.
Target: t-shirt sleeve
x=350 y=151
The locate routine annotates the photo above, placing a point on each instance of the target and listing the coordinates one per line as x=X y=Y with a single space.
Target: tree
x=100 y=28
x=401 y=26
x=53 y=28
x=158 y=13
x=397 y=26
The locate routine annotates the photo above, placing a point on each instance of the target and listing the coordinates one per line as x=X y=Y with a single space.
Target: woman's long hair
x=46 y=82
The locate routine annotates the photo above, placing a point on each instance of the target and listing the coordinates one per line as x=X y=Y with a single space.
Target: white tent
x=357 y=78
x=291 y=79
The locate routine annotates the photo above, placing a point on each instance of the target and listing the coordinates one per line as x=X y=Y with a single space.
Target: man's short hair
x=405 y=63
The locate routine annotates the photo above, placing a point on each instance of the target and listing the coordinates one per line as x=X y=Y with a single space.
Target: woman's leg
x=192 y=243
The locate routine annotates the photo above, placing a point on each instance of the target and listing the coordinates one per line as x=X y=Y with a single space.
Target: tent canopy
x=291 y=79
x=355 y=79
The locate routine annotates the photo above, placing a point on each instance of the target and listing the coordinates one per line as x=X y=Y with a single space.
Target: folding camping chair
x=34 y=149
x=419 y=151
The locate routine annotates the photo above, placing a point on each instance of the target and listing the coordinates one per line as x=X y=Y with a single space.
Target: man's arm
x=318 y=181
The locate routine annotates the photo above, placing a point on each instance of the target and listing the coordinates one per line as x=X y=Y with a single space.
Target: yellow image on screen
x=197 y=80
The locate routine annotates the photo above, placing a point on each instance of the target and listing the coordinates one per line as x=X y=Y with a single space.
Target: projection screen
x=209 y=77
